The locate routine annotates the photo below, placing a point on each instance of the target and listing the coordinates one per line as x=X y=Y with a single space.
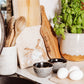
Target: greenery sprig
x=71 y=18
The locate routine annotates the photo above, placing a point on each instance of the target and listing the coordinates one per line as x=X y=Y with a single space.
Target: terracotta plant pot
x=72 y=48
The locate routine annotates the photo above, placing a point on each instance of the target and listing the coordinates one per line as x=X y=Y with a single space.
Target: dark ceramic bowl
x=58 y=63
x=43 y=69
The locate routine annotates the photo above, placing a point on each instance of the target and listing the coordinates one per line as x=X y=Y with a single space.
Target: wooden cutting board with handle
x=49 y=38
x=30 y=9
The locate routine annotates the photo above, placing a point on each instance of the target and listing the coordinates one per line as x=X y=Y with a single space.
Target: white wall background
x=51 y=6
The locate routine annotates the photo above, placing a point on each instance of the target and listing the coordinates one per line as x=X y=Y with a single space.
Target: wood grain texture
x=74 y=57
x=10 y=32
x=30 y=9
x=49 y=38
x=20 y=24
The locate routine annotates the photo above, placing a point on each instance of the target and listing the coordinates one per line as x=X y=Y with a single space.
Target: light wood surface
x=30 y=9
x=74 y=57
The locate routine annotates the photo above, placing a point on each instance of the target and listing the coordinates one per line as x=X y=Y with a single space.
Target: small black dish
x=43 y=69
x=57 y=60
x=58 y=63
x=42 y=65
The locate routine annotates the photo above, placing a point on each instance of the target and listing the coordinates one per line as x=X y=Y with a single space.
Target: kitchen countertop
x=19 y=76
x=28 y=73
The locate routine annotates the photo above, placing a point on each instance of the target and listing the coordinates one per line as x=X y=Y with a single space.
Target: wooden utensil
x=49 y=38
x=20 y=24
x=10 y=32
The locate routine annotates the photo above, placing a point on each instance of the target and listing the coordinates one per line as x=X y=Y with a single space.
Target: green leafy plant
x=71 y=18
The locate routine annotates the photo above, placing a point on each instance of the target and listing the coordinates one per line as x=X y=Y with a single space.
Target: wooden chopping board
x=49 y=38
x=30 y=9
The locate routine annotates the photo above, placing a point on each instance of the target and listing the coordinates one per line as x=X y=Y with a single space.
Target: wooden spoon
x=20 y=24
x=10 y=32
